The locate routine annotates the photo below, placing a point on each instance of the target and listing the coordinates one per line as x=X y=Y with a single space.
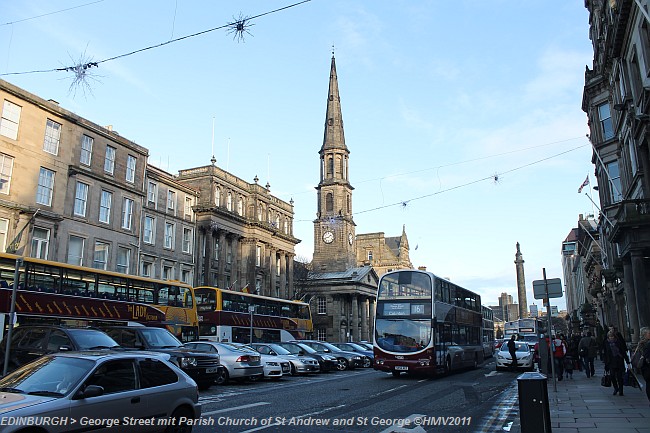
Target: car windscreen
x=45 y=375
x=92 y=339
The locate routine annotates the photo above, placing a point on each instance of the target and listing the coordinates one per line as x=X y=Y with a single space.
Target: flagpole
x=600 y=211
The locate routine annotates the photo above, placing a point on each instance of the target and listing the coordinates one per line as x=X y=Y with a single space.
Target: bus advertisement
x=425 y=324
x=225 y=315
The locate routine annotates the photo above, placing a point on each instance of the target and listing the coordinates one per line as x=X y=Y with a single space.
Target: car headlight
x=356 y=358
x=272 y=363
x=187 y=362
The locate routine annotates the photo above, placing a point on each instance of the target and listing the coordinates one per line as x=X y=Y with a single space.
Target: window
x=216 y=248
x=130 y=168
x=6 y=170
x=146 y=269
x=277 y=221
x=188 y=208
x=75 y=250
x=240 y=207
x=40 y=243
x=152 y=189
x=45 y=187
x=614 y=182
x=258 y=255
x=322 y=334
x=217 y=196
x=171 y=201
x=169 y=236
x=100 y=256
x=329 y=202
x=229 y=202
x=229 y=251
x=277 y=265
x=186 y=276
x=606 y=125
x=168 y=272
x=187 y=240
x=260 y=212
x=80 y=199
x=286 y=226
x=114 y=376
x=123 y=259
x=634 y=165
x=127 y=213
x=322 y=305
x=52 y=137
x=105 y=207
x=86 y=150
x=10 y=120
x=155 y=373
x=4 y=225
x=369 y=255
x=109 y=160
x=149 y=231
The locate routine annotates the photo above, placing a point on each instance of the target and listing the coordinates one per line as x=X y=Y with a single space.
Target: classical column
x=371 y=328
x=273 y=277
x=290 y=275
x=641 y=291
x=221 y=261
x=631 y=298
x=364 y=320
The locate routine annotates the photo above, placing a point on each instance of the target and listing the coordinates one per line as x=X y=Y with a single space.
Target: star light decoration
x=240 y=26
x=82 y=74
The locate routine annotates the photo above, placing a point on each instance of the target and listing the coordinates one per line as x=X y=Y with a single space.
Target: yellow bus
x=54 y=292
x=225 y=315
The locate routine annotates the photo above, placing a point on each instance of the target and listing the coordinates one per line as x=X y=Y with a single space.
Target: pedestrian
x=644 y=348
x=559 y=352
x=571 y=357
x=588 y=350
x=512 y=348
x=615 y=360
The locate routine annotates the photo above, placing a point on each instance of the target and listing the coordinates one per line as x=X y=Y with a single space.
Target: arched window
x=217 y=196
x=329 y=202
x=330 y=167
x=260 y=212
x=286 y=226
x=240 y=206
x=349 y=205
x=277 y=221
x=229 y=201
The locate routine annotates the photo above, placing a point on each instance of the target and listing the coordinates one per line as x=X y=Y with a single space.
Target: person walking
x=644 y=348
x=615 y=360
x=512 y=348
x=559 y=352
x=571 y=358
x=588 y=350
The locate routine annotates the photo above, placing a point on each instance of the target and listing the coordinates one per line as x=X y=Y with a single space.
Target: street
x=365 y=401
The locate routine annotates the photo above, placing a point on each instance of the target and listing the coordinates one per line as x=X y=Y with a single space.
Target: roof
x=351 y=274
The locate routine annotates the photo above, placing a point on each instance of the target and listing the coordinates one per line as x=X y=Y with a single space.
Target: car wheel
x=222 y=378
x=293 y=369
x=176 y=427
x=342 y=364
x=395 y=373
x=367 y=362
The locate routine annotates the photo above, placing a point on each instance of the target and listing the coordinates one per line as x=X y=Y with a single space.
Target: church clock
x=328 y=237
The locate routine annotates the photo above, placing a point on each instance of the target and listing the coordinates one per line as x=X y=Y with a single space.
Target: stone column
x=221 y=264
x=291 y=289
x=364 y=320
x=631 y=298
x=354 y=319
x=641 y=291
x=371 y=314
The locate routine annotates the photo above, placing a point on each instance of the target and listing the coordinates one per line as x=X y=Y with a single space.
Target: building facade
x=616 y=98
x=384 y=254
x=341 y=293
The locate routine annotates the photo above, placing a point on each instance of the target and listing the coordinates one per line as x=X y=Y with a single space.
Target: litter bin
x=534 y=413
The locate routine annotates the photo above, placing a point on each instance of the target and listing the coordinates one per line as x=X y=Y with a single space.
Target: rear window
x=155 y=373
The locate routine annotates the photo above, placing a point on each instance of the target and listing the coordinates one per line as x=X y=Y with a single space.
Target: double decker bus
x=488 y=331
x=225 y=315
x=529 y=330
x=60 y=293
x=425 y=324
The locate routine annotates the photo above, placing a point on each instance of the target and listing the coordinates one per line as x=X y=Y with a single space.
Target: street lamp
x=251 y=310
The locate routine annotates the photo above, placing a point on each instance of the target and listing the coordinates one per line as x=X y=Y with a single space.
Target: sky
x=463 y=118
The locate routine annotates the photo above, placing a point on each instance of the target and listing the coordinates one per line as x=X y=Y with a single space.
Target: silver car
x=239 y=364
x=299 y=364
x=274 y=368
x=525 y=357
x=99 y=390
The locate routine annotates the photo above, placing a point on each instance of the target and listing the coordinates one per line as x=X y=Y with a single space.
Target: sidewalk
x=582 y=405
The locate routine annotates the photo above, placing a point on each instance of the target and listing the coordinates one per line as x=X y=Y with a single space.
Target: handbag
x=606 y=380
x=638 y=361
x=629 y=379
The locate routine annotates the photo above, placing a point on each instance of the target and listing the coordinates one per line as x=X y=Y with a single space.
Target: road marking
x=492 y=373
x=389 y=390
x=297 y=417
x=246 y=406
x=498 y=420
x=410 y=418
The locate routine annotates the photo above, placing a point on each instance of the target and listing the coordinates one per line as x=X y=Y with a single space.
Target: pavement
x=582 y=405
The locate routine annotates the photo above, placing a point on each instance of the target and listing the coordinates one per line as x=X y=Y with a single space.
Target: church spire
x=334 y=137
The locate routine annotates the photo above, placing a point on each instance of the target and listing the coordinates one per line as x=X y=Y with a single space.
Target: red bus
x=425 y=324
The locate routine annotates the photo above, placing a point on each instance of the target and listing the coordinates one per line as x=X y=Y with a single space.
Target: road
x=365 y=400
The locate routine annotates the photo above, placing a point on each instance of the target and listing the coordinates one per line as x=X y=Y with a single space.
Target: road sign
x=554 y=288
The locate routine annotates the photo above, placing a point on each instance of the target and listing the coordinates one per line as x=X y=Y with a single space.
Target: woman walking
x=644 y=349
x=615 y=360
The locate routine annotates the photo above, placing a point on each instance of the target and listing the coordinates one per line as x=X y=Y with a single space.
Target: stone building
x=85 y=195
x=341 y=293
x=616 y=98
x=384 y=254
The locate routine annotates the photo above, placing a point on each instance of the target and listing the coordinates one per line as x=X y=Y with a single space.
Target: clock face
x=328 y=237
x=350 y=238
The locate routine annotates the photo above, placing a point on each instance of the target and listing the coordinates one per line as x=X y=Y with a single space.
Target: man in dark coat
x=512 y=348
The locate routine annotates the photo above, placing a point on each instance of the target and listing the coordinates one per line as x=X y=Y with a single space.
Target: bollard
x=534 y=413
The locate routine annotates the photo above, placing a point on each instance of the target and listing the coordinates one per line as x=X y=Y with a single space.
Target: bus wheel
x=396 y=373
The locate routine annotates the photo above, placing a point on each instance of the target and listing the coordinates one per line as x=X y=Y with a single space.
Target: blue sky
x=463 y=118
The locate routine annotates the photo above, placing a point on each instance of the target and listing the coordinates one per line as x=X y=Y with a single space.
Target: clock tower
x=334 y=234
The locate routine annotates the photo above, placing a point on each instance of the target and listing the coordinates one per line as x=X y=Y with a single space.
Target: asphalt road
x=365 y=400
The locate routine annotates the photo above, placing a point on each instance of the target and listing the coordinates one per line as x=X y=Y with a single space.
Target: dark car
x=204 y=368
x=325 y=361
x=345 y=360
x=368 y=355
x=103 y=390
x=29 y=342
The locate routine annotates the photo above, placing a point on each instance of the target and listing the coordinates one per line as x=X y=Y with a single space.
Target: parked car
x=325 y=362
x=29 y=342
x=368 y=355
x=299 y=364
x=99 y=387
x=204 y=368
x=365 y=344
x=274 y=368
x=525 y=356
x=238 y=364
x=345 y=360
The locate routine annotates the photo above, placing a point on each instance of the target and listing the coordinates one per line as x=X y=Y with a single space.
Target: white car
x=299 y=364
x=274 y=368
x=525 y=356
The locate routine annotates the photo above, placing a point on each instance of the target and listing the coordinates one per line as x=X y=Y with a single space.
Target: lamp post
x=251 y=310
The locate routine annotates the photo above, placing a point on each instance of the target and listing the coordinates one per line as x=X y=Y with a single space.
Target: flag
x=585 y=183
x=245 y=289
x=13 y=247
